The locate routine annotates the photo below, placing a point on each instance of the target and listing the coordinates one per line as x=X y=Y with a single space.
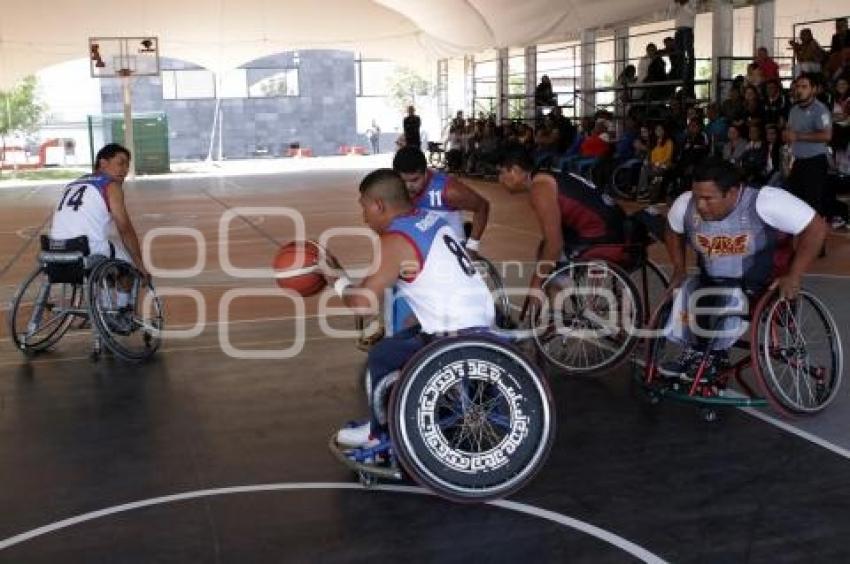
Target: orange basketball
x=295 y=267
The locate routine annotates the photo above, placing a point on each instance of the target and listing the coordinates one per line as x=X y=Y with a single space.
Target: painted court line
x=558 y=518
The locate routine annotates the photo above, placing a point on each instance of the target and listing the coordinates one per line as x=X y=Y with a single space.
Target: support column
x=588 y=72
x=530 y=83
x=502 y=75
x=621 y=61
x=721 y=46
x=468 y=85
x=765 y=17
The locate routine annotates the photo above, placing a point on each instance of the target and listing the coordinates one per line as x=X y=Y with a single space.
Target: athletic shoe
x=358 y=436
x=717 y=362
x=682 y=366
x=838 y=222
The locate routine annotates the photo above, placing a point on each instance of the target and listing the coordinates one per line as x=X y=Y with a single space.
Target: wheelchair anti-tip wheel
x=471 y=419
x=589 y=324
x=133 y=332
x=39 y=313
x=797 y=352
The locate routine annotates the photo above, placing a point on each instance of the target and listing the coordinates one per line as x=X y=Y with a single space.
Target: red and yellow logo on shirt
x=723 y=245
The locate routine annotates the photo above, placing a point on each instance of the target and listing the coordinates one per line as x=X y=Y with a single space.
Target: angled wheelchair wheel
x=659 y=349
x=590 y=320
x=651 y=284
x=40 y=312
x=797 y=352
x=623 y=182
x=471 y=419
x=493 y=279
x=132 y=332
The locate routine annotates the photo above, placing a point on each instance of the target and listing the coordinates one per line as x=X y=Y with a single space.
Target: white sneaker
x=354 y=437
x=838 y=222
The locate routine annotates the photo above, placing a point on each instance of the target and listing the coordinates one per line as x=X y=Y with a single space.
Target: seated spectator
x=694 y=149
x=753 y=107
x=755 y=77
x=624 y=150
x=732 y=107
x=773 y=154
x=717 y=128
x=808 y=52
x=769 y=68
x=754 y=159
x=651 y=186
x=736 y=146
x=841 y=121
x=776 y=105
x=594 y=148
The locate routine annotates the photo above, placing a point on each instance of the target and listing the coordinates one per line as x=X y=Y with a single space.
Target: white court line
x=570 y=522
x=821 y=442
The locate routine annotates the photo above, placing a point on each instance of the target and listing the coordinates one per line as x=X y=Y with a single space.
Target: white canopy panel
x=223 y=34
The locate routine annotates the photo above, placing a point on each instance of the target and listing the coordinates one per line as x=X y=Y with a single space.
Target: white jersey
x=83 y=209
x=447 y=294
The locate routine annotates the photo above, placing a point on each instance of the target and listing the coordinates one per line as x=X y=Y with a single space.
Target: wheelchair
x=792 y=347
x=469 y=418
x=595 y=301
x=69 y=283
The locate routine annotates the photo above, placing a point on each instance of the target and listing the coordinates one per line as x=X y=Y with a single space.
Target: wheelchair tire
x=622 y=182
x=797 y=353
x=494 y=282
x=572 y=341
x=471 y=419
x=148 y=331
x=69 y=294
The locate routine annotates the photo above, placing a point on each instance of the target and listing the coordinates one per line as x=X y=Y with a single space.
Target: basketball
x=296 y=268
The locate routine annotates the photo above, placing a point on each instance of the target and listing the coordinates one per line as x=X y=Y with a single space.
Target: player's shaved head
x=385 y=184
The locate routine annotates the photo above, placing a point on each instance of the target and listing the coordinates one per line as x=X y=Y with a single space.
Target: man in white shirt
x=743 y=240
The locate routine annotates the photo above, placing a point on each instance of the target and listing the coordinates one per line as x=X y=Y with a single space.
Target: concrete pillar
x=765 y=17
x=502 y=75
x=588 y=72
x=721 y=46
x=621 y=61
x=530 y=82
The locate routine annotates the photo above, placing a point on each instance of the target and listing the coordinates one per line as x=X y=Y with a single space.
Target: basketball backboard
x=123 y=56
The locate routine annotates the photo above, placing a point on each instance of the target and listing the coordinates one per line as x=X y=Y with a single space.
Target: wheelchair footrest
x=378 y=461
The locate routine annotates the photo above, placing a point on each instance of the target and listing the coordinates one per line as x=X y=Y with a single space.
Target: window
x=188 y=84
x=234 y=84
x=271 y=83
x=372 y=76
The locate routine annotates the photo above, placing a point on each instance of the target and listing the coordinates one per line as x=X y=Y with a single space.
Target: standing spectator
x=684 y=12
x=544 y=95
x=841 y=37
x=769 y=68
x=677 y=59
x=808 y=52
x=656 y=72
x=411 y=125
x=776 y=104
x=374 y=135
x=736 y=146
x=809 y=131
